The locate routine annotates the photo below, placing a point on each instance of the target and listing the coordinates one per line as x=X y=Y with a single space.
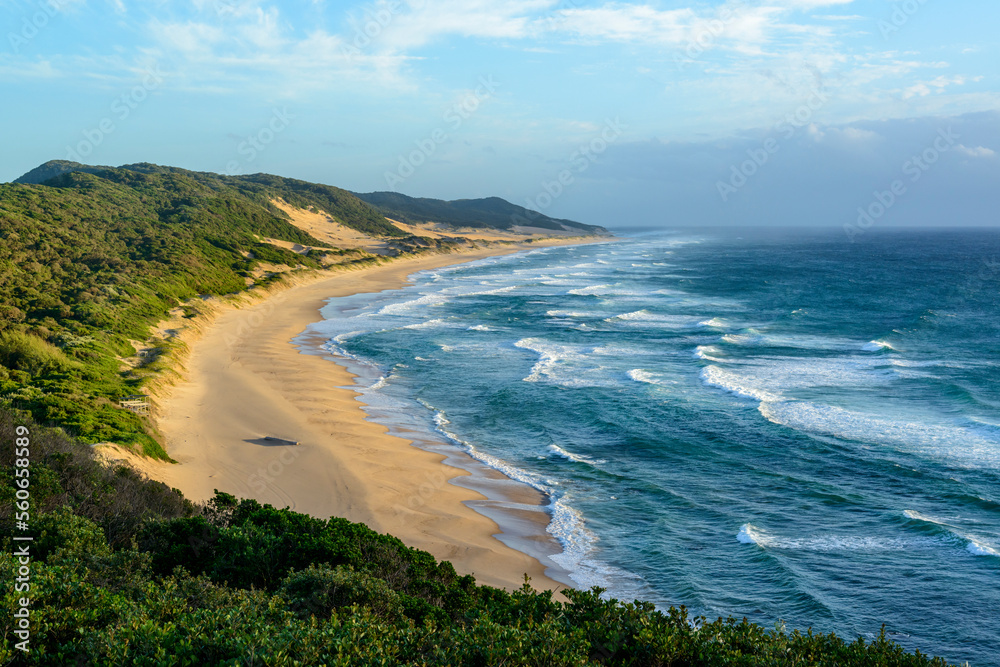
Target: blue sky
x=616 y=113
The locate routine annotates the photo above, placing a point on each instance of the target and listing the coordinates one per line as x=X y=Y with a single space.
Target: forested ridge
x=89 y=260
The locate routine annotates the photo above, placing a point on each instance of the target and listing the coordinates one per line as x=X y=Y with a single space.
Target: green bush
x=25 y=352
x=318 y=590
x=63 y=533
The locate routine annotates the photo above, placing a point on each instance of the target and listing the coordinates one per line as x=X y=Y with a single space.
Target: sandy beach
x=245 y=380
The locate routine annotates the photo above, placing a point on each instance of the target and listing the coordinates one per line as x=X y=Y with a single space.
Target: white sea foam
x=642 y=315
x=780 y=375
x=407 y=307
x=750 y=534
x=498 y=290
x=623 y=350
x=607 y=289
x=877 y=346
x=736 y=384
x=566 y=365
x=755 y=338
x=429 y=324
x=640 y=375
x=708 y=353
x=590 y=289
x=571 y=313
x=750 y=338
x=567 y=524
x=576 y=458
x=968 y=447
x=644 y=318
x=336 y=347
x=974 y=544
x=913 y=514
x=977 y=549
x=715 y=322
x=479 y=327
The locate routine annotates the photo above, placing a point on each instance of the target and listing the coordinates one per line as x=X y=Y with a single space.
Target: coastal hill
x=491 y=212
x=365 y=212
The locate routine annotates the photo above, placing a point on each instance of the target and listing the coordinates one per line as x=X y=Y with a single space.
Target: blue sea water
x=779 y=425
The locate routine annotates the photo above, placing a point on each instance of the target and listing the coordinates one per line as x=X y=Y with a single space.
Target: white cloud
x=811 y=4
x=426 y=22
x=978 y=151
x=937 y=85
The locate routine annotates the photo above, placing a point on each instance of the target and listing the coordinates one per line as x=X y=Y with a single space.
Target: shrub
x=22 y=351
x=319 y=589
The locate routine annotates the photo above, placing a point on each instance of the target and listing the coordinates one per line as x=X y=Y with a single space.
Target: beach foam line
x=566 y=524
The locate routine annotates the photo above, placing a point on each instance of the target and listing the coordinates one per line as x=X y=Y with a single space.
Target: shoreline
x=256 y=372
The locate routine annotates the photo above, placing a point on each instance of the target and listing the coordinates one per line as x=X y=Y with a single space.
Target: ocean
x=781 y=425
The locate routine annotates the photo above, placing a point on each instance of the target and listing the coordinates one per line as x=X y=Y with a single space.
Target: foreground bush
x=238 y=583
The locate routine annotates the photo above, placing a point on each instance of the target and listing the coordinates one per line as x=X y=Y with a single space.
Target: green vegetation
x=126 y=572
x=341 y=204
x=491 y=212
x=93 y=257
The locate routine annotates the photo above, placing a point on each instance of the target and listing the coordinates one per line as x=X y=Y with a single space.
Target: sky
x=850 y=113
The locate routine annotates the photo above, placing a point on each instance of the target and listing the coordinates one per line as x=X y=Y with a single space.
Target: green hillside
x=491 y=212
x=89 y=261
x=260 y=188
